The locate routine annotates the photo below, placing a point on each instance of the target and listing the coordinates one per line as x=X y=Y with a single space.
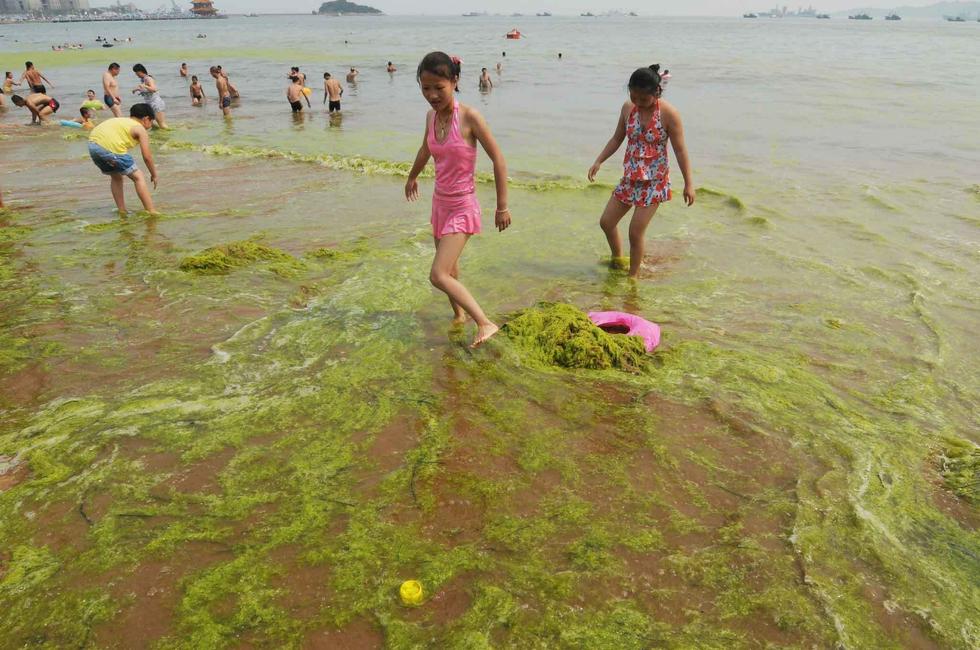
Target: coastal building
x=42 y=6
x=203 y=8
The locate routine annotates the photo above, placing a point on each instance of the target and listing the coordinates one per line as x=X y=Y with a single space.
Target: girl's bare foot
x=460 y=319
x=483 y=334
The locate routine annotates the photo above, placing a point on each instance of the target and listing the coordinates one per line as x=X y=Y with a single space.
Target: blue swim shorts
x=108 y=101
x=111 y=163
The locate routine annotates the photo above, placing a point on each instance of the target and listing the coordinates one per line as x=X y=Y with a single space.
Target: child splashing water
x=451 y=133
x=647 y=122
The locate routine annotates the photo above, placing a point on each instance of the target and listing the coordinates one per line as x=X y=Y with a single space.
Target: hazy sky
x=455 y=7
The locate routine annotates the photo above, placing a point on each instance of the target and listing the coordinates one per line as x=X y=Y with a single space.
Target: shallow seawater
x=260 y=457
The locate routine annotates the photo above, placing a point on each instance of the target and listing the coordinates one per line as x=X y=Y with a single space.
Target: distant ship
x=750 y=15
x=823 y=16
x=474 y=14
x=956 y=19
x=893 y=17
x=544 y=14
x=861 y=17
x=588 y=14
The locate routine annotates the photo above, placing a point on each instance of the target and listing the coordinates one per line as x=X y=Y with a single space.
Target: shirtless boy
x=294 y=72
x=34 y=79
x=224 y=93
x=295 y=95
x=333 y=91
x=352 y=75
x=110 y=86
x=485 y=81
x=39 y=104
x=231 y=86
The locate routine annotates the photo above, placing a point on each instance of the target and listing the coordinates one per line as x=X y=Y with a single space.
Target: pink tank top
x=455 y=158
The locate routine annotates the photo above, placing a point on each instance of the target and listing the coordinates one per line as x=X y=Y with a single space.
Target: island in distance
x=344 y=8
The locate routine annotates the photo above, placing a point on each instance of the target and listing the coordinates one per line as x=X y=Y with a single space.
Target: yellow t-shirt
x=114 y=135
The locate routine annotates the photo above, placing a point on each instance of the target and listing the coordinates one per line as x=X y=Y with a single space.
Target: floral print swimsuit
x=646 y=168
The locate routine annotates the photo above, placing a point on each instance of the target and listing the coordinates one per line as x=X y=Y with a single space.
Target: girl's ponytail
x=647 y=80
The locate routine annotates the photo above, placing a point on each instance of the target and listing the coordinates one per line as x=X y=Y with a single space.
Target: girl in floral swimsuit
x=646 y=122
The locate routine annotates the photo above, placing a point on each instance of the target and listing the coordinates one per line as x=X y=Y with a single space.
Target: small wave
x=729 y=199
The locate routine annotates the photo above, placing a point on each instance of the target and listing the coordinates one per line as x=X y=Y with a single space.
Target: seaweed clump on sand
x=960 y=469
x=227 y=257
x=559 y=334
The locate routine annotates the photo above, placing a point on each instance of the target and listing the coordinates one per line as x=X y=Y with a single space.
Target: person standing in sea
x=34 y=79
x=147 y=88
x=110 y=89
x=647 y=123
x=223 y=88
x=452 y=132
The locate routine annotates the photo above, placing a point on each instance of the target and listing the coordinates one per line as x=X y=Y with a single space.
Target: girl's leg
x=459 y=316
x=142 y=190
x=448 y=250
x=638 y=228
x=161 y=119
x=611 y=216
x=116 y=185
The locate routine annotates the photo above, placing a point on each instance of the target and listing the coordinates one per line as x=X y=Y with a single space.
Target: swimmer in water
x=332 y=91
x=294 y=72
x=183 y=70
x=39 y=104
x=391 y=67
x=352 y=75
x=295 y=94
x=197 y=92
x=485 y=81
x=110 y=88
x=223 y=88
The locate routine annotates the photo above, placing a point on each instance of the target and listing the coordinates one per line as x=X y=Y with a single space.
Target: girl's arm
x=614 y=143
x=149 y=83
x=481 y=131
x=421 y=160
x=675 y=132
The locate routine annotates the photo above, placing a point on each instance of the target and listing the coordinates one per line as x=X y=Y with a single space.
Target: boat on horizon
x=544 y=14
x=474 y=14
x=823 y=16
x=750 y=15
x=955 y=19
x=860 y=17
x=893 y=17
x=588 y=14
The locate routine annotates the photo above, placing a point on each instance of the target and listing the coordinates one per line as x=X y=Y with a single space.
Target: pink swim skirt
x=452 y=214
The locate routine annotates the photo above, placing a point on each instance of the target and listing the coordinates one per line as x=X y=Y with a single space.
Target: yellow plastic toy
x=307 y=91
x=411 y=593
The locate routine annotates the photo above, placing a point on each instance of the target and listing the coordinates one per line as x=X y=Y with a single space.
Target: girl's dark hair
x=139 y=67
x=441 y=65
x=647 y=80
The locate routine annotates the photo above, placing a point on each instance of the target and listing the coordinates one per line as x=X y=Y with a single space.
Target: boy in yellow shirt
x=109 y=145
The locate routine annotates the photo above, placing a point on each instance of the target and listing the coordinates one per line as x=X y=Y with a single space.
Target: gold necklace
x=441 y=126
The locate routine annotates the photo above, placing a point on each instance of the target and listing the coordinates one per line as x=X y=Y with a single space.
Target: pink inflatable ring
x=617 y=322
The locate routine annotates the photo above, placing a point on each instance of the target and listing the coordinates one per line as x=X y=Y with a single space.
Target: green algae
x=365 y=165
x=285 y=424
x=227 y=257
x=729 y=200
x=562 y=335
x=959 y=465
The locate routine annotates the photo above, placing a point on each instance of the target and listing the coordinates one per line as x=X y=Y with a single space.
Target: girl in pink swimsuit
x=646 y=122
x=451 y=133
